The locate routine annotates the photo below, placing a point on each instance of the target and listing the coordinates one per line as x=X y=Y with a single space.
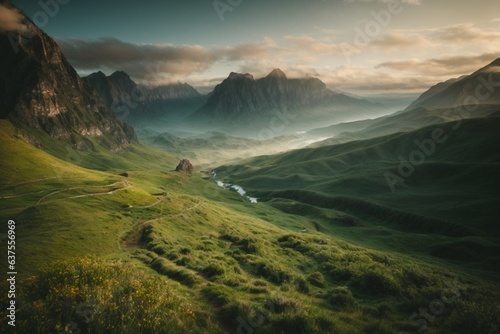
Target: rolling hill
x=404 y=182
x=406 y=121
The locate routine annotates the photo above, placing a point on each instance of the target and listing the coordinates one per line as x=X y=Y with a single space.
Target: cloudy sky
x=365 y=47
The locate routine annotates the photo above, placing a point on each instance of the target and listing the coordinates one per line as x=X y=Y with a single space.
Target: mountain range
x=53 y=98
x=134 y=102
x=238 y=105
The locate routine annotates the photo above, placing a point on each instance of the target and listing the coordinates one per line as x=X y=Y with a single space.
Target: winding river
x=233 y=187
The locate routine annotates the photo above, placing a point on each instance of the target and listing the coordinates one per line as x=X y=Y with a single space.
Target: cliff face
x=282 y=92
x=238 y=93
x=40 y=89
x=241 y=95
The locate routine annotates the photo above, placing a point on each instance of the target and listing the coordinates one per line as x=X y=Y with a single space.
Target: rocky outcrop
x=185 y=166
x=41 y=90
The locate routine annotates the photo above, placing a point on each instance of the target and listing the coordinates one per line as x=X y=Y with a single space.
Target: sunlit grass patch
x=94 y=296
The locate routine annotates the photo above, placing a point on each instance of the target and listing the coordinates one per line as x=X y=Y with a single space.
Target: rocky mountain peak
x=239 y=76
x=122 y=80
x=277 y=73
x=494 y=65
x=97 y=74
x=120 y=75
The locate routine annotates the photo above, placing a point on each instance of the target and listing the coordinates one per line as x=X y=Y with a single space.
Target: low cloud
x=395 y=40
x=154 y=63
x=363 y=80
x=140 y=61
x=246 y=51
x=350 y=78
x=10 y=19
x=327 y=46
x=465 y=33
x=445 y=66
x=302 y=56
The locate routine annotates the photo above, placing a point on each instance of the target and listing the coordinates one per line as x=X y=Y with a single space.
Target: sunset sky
x=404 y=47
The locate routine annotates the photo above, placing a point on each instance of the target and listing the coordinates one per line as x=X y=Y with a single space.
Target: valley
x=213 y=246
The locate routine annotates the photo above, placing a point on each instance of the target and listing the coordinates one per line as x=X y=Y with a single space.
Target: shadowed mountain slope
x=41 y=90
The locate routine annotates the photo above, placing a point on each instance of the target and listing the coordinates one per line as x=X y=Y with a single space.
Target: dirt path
x=124 y=183
x=28 y=182
x=160 y=199
x=101 y=194
x=132 y=242
x=21 y=195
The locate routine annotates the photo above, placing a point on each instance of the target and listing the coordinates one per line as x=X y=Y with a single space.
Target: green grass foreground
x=155 y=251
x=94 y=296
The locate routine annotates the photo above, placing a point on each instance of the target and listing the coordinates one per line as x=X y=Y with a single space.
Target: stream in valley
x=233 y=187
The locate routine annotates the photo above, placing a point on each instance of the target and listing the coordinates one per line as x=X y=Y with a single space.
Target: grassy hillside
x=403 y=121
x=163 y=252
x=93 y=153
x=344 y=189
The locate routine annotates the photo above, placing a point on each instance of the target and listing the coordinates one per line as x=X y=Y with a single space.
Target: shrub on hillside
x=216 y=294
x=293 y=242
x=281 y=304
x=316 y=279
x=376 y=282
x=273 y=273
x=301 y=284
x=340 y=298
x=212 y=270
x=163 y=267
